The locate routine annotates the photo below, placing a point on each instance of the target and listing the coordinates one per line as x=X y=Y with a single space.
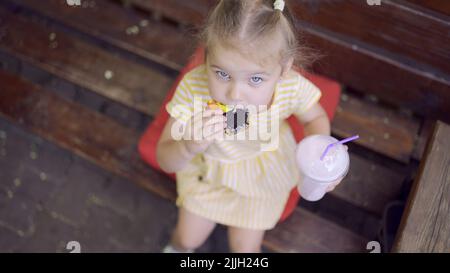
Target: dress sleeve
x=181 y=106
x=305 y=96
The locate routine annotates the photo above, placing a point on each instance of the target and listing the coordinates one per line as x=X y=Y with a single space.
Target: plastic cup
x=317 y=175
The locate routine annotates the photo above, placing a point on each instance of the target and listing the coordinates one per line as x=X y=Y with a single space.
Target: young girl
x=250 y=49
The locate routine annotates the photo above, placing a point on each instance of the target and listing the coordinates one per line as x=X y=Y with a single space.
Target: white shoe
x=170 y=249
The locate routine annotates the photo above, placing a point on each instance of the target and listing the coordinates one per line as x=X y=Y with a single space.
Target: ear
x=286 y=67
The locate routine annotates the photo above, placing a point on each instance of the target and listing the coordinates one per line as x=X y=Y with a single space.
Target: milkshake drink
x=316 y=174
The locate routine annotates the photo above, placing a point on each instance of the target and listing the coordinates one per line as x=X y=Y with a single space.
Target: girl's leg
x=245 y=240
x=191 y=231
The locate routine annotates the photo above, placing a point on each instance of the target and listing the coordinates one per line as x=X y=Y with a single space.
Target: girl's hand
x=337 y=182
x=212 y=127
x=334 y=185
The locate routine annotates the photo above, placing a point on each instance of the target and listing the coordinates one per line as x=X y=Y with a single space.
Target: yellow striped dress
x=236 y=182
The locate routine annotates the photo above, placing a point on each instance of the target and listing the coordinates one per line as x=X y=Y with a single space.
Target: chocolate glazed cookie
x=237 y=118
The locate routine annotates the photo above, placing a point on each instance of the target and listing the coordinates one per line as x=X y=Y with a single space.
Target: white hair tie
x=279 y=5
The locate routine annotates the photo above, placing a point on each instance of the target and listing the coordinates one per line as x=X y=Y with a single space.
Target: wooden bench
x=425 y=224
x=395 y=137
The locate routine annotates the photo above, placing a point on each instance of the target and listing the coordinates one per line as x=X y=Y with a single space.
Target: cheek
x=264 y=95
x=216 y=90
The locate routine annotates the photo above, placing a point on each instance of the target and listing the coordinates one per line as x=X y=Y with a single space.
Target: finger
x=211 y=121
x=211 y=112
x=213 y=126
x=200 y=122
x=334 y=185
x=198 y=116
x=216 y=135
x=212 y=131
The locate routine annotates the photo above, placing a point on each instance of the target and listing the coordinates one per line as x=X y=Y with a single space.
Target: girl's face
x=235 y=80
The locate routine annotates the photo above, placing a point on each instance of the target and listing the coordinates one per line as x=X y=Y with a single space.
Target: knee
x=185 y=242
x=244 y=247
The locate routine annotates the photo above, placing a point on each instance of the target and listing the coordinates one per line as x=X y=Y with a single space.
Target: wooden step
x=370 y=185
x=440 y=6
x=363 y=66
x=320 y=14
x=134 y=85
x=416 y=35
x=307 y=232
x=113 y=148
x=381 y=129
x=70 y=125
x=122 y=28
x=184 y=12
x=425 y=133
x=384 y=131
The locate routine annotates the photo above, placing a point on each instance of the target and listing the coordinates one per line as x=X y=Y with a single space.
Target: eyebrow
x=259 y=73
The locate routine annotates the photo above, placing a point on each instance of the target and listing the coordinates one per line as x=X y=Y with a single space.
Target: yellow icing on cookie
x=214 y=105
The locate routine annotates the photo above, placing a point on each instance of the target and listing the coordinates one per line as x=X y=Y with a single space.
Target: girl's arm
x=171 y=154
x=315 y=121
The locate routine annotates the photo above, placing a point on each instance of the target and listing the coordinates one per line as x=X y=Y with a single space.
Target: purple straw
x=338 y=142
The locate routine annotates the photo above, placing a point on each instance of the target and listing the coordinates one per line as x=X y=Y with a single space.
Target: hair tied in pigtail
x=278 y=5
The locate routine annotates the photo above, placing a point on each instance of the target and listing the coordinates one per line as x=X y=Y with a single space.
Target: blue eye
x=223 y=75
x=256 y=80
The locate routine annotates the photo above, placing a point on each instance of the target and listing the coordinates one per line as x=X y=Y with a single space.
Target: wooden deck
x=129 y=55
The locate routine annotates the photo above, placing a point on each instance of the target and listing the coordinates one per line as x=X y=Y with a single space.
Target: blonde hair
x=251 y=25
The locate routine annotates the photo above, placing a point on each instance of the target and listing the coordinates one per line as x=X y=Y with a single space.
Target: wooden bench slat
x=184 y=12
x=84 y=132
x=120 y=27
x=416 y=34
x=113 y=148
x=370 y=71
x=442 y=6
x=369 y=185
x=380 y=129
x=307 y=232
x=361 y=67
x=425 y=133
x=137 y=86
x=425 y=225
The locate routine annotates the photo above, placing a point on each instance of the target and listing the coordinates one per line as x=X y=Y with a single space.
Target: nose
x=233 y=92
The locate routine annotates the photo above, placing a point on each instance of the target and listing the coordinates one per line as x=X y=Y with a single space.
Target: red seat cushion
x=147 y=144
